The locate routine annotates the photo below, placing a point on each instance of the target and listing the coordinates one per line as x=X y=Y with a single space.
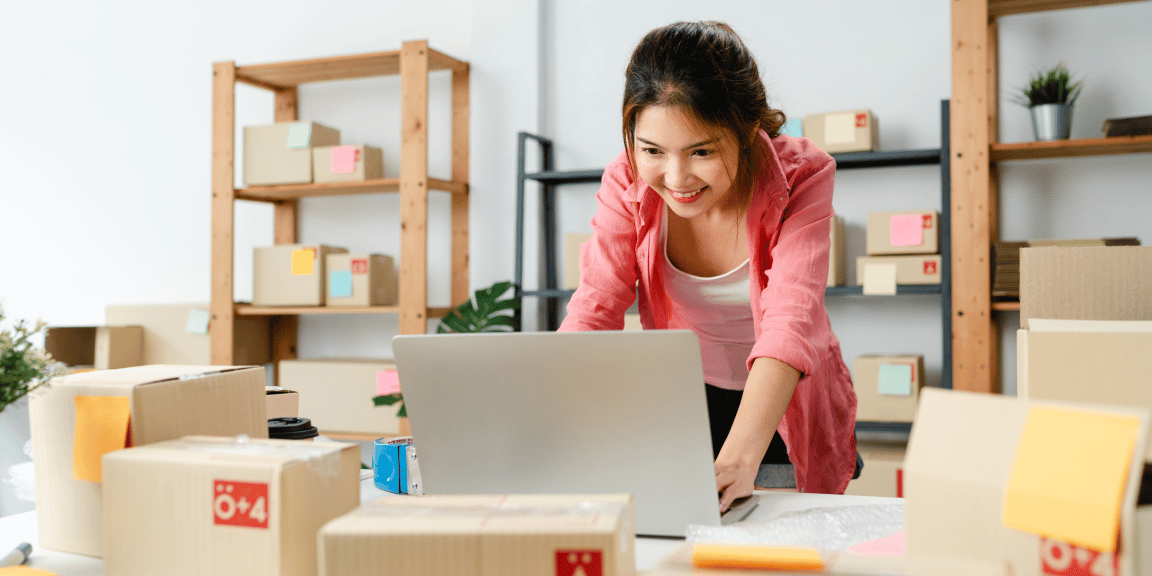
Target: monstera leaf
x=486 y=313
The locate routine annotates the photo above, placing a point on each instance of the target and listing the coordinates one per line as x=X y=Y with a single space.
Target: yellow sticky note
x=706 y=555
x=24 y=571
x=302 y=261
x=1069 y=476
x=101 y=427
x=880 y=279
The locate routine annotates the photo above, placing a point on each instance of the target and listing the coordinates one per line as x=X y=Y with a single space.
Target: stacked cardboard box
x=847 y=131
x=1006 y=261
x=902 y=248
x=291 y=274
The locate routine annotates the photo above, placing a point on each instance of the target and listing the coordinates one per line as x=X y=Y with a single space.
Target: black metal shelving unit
x=551 y=296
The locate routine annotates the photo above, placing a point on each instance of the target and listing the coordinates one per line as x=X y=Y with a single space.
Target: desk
x=649 y=551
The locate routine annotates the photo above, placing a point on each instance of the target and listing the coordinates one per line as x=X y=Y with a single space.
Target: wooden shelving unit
x=975 y=186
x=412 y=63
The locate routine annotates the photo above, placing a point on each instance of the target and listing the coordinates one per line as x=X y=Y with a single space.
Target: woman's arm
x=766 y=396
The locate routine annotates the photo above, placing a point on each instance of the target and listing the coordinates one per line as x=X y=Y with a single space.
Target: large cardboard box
x=176 y=334
x=347 y=163
x=291 y=274
x=78 y=418
x=915 y=232
x=977 y=460
x=281 y=153
x=336 y=394
x=883 y=470
x=1097 y=361
x=514 y=535
x=1086 y=283
x=847 y=131
x=361 y=280
x=887 y=387
x=837 y=253
x=98 y=347
x=910 y=269
x=210 y=505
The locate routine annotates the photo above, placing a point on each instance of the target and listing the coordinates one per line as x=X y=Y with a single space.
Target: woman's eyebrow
x=690 y=147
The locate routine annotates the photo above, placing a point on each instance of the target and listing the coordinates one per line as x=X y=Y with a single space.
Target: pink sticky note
x=906 y=229
x=344 y=159
x=387 y=382
x=895 y=544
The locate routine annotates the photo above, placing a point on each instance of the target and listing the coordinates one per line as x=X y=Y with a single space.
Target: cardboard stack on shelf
x=319 y=275
x=901 y=248
x=846 y=131
x=1006 y=260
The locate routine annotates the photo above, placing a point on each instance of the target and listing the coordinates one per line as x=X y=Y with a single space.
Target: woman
x=720 y=225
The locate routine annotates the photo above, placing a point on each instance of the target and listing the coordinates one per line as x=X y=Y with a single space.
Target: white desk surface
x=649 y=551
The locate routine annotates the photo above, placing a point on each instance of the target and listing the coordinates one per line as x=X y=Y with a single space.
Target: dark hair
x=705 y=70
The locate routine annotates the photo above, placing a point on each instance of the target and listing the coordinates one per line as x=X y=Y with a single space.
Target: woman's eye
x=650 y=151
x=701 y=152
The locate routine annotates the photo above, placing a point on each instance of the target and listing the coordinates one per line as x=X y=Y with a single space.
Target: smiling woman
x=720 y=225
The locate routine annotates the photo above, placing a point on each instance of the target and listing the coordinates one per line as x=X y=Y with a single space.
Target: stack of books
x=1006 y=261
x=1133 y=126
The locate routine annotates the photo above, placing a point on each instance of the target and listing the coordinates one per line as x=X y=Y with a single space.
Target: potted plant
x=1049 y=97
x=487 y=312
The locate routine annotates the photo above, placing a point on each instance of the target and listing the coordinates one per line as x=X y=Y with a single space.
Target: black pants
x=722 y=405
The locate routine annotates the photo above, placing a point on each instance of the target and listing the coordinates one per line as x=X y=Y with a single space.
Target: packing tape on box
x=316 y=454
x=394 y=466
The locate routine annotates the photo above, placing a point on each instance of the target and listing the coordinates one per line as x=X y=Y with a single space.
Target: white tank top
x=719 y=311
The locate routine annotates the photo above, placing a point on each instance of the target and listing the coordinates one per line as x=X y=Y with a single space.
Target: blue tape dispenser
x=394 y=466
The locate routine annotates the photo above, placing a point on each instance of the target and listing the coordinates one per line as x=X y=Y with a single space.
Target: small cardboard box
x=848 y=131
x=1086 y=283
x=902 y=233
x=211 y=505
x=887 y=387
x=911 y=269
x=78 y=418
x=837 y=253
x=360 y=280
x=281 y=153
x=336 y=394
x=347 y=163
x=572 y=246
x=883 y=470
x=291 y=274
x=515 y=535
x=282 y=403
x=974 y=458
x=100 y=347
x=178 y=334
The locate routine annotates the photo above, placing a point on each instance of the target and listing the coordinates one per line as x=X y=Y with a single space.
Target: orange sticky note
x=302 y=261
x=101 y=427
x=756 y=557
x=1069 y=476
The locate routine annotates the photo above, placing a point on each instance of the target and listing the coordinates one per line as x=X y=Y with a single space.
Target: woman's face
x=689 y=164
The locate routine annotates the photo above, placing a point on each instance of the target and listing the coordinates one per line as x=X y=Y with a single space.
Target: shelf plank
x=852 y=160
x=285 y=192
x=566 y=177
x=998 y=8
x=250 y=310
x=1072 y=148
x=900 y=290
x=1006 y=306
x=279 y=75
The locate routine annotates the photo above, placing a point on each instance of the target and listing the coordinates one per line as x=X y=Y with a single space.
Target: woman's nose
x=676 y=173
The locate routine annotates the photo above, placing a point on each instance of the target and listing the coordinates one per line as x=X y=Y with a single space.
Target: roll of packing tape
x=394 y=466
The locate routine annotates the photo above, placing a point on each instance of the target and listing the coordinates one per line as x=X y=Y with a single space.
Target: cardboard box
x=572 y=246
x=883 y=470
x=78 y=418
x=282 y=403
x=515 y=535
x=210 y=505
x=360 y=280
x=281 y=153
x=291 y=274
x=1096 y=361
x=347 y=163
x=837 y=254
x=847 y=131
x=911 y=269
x=336 y=394
x=887 y=387
x=963 y=475
x=916 y=232
x=175 y=334
x=99 y=347
x=1086 y=283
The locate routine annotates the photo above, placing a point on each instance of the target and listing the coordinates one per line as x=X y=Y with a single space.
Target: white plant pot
x=16 y=481
x=1051 y=121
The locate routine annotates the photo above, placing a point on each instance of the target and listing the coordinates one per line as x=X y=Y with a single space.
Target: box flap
x=138 y=375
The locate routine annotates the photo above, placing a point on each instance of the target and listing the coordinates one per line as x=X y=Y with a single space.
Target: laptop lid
x=573 y=412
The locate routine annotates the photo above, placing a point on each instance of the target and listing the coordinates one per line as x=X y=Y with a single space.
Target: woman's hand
x=735 y=478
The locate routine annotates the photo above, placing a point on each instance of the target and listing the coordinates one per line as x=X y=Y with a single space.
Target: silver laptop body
x=582 y=412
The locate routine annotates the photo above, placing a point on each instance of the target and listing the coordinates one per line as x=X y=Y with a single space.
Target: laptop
x=566 y=413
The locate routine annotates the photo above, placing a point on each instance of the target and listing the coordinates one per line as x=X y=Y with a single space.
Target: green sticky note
x=299 y=135
x=340 y=284
x=895 y=379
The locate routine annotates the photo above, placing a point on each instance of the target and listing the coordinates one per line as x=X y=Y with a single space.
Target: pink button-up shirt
x=788 y=226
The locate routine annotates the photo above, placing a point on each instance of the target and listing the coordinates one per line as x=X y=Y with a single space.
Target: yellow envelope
x=101 y=427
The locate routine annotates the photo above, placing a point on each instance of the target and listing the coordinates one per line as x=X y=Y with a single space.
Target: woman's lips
x=685 y=197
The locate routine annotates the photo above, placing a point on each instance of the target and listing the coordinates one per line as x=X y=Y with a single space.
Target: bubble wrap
x=825 y=529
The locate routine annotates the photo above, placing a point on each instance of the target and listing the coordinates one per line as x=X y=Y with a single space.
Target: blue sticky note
x=299 y=135
x=340 y=284
x=895 y=379
x=792 y=127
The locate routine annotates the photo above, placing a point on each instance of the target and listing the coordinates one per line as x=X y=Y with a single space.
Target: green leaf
x=387 y=399
x=486 y=313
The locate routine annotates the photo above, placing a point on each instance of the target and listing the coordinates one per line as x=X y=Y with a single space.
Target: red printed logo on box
x=359 y=265
x=240 y=503
x=1064 y=559
x=861 y=120
x=927 y=221
x=929 y=267
x=579 y=563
